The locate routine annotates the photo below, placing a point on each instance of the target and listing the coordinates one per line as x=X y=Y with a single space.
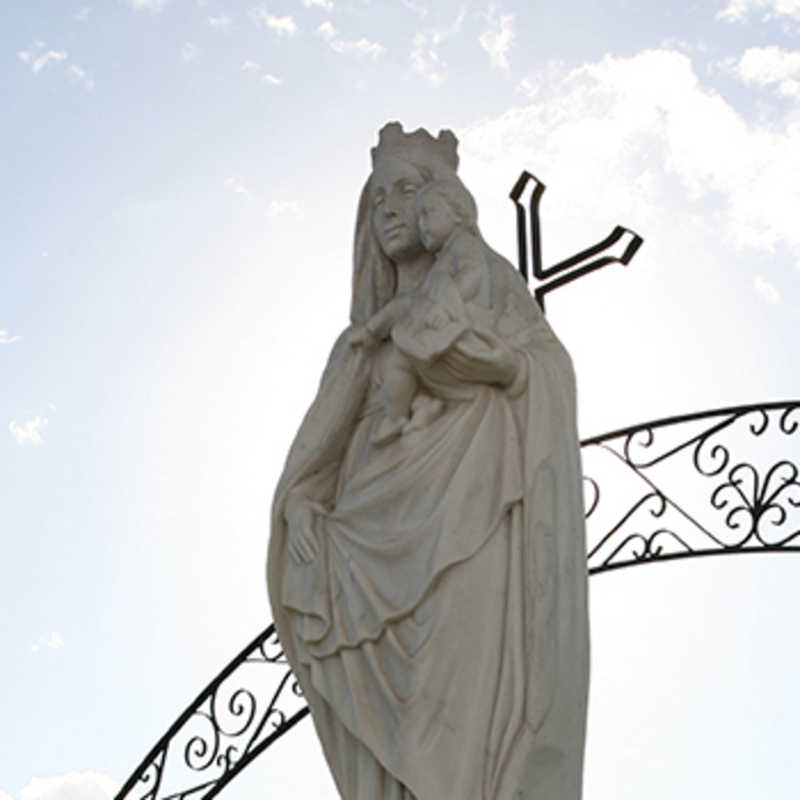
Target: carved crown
x=418 y=147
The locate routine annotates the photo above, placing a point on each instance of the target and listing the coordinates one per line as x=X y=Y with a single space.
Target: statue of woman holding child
x=427 y=567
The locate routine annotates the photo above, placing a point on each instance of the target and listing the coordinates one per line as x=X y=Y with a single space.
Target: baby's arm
x=382 y=321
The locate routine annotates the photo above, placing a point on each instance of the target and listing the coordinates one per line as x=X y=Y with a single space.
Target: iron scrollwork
x=235 y=718
x=713 y=483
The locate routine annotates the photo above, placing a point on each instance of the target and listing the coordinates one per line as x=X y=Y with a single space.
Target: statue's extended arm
x=309 y=478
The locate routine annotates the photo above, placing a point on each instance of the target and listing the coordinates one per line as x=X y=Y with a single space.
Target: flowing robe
x=440 y=634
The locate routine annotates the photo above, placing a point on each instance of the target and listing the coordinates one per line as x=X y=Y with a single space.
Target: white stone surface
x=427 y=562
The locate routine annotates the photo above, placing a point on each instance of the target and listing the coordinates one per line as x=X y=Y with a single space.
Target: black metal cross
x=575 y=266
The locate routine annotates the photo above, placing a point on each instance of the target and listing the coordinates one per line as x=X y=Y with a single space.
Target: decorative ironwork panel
x=713 y=483
x=252 y=702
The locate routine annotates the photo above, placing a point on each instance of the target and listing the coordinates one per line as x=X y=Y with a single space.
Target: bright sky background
x=181 y=184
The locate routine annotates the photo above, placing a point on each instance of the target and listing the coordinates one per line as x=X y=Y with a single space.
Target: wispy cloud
x=279 y=208
x=361 y=47
x=275 y=208
x=221 y=22
x=29 y=432
x=417 y=8
x=766 y=290
x=80 y=75
x=425 y=57
x=738 y=10
x=149 y=5
x=82 y=14
x=53 y=641
x=497 y=39
x=38 y=57
x=770 y=66
x=7 y=338
x=189 y=52
x=71 y=786
x=283 y=26
x=326 y=4
x=235 y=185
x=267 y=77
x=327 y=31
x=655 y=130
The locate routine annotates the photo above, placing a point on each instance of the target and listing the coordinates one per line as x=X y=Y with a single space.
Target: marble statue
x=427 y=568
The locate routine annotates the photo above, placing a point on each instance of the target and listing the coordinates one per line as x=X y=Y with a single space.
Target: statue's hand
x=437 y=319
x=303 y=545
x=362 y=336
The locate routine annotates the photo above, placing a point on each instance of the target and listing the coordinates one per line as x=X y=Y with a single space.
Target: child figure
x=453 y=297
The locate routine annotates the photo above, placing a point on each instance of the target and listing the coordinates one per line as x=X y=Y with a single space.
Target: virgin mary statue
x=430 y=590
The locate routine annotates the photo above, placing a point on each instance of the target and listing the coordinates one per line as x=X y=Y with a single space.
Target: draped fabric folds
x=440 y=633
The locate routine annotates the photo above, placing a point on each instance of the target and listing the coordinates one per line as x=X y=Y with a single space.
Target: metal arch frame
x=258 y=727
x=255 y=720
x=754 y=505
x=230 y=723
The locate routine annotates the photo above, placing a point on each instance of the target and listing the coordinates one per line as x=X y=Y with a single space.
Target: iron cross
x=576 y=266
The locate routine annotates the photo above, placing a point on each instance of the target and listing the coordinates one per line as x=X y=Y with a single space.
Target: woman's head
x=386 y=229
x=393 y=187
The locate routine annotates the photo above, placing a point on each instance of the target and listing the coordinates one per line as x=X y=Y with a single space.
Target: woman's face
x=394 y=186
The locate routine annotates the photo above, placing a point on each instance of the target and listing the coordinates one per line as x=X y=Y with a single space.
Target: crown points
x=418 y=147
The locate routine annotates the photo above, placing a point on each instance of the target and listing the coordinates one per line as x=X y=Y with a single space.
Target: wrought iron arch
x=640 y=509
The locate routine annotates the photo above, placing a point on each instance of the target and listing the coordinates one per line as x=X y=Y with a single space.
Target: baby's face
x=436 y=222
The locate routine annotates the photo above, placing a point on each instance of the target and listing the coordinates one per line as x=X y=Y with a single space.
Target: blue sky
x=182 y=179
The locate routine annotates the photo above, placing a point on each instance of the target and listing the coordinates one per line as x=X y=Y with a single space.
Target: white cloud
x=37 y=59
x=279 y=208
x=53 y=642
x=80 y=75
x=766 y=290
x=29 y=431
x=7 y=338
x=766 y=66
x=71 y=786
x=235 y=185
x=283 y=26
x=251 y=66
x=362 y=46
x=326 y=4
x=641 y=129
x=221 y=22
x=327 y=31
x=82 y=14
x=417 y=8
x=189 y=52
x=497 y=40
x=5 y=795
x=272 y=79
x=425 y=57
x=149 y=5
x=37 y=56
x=737 y=10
